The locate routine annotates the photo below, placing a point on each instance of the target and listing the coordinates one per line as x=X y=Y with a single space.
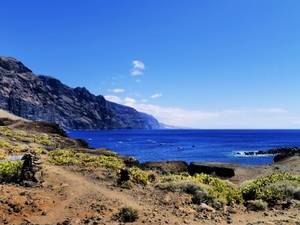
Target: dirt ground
x=70 y=196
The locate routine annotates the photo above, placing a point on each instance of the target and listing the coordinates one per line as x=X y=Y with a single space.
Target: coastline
x=192 y=145
x=71 y=183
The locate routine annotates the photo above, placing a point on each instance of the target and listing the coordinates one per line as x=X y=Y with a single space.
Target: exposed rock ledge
x=279 y=154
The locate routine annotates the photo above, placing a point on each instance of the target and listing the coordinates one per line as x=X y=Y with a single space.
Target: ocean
x=192 y=145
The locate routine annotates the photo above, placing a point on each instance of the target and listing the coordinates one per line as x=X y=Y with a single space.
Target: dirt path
x=76 y=193
x=78 y=187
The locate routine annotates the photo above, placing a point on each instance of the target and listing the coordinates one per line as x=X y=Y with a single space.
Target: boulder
x=216 y=169
x=166 y=166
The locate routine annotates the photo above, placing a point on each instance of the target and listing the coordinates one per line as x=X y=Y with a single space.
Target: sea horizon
x=192 y=145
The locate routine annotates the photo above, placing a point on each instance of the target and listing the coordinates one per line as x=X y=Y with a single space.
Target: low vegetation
x=26 y=137
x=215 y=188
x=257 y=205
x=127 y=215
x=5 y=144
x=11 y=147
x=3 y=155
x=138 y=176
x=70 y=157
x=271 y=189
x=10 y=170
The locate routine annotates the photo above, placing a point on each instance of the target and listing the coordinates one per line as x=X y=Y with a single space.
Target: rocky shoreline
x=279 y=154
x=223 y=170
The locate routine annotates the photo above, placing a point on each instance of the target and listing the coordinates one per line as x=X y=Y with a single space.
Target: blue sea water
x=191 y=145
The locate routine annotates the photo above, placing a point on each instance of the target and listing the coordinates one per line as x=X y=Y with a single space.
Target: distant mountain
x=45 y=98
x=166 y=126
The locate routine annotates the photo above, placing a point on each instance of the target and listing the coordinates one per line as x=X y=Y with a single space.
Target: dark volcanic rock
x=220 y=170
x=47 y=99
x=285 y=153
x=280 y=154
x=11 y=64
x=166 y=166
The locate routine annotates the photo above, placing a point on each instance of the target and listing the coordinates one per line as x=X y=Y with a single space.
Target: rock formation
x=45 y=98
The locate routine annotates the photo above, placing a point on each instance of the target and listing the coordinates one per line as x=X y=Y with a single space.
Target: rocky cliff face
x=45 y=98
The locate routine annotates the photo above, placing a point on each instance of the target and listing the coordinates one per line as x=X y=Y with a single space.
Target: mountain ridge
x=43 y=97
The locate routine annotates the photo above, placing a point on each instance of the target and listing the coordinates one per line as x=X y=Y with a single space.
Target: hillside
x=47 y=99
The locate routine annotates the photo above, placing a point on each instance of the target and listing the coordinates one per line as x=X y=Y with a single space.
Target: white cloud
x=118 y=90
x=129 y=101
x=227 y=118
x=113 y=98
x=157 y=95
x=138 y=68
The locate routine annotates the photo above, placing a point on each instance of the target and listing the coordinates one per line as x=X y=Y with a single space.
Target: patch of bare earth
x=75 y=197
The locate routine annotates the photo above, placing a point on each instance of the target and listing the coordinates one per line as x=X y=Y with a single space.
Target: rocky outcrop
x=279 y=154
x=216 y=169
x=285 y=153
x=31 y=174
x=46 y=99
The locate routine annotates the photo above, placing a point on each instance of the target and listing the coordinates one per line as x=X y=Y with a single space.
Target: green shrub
x=180 y=186
x=10 y=167
x=271 y=188
x=42 y=139
x=202 y=197
x=128 y=215
x=221 y=190
x=138 y=176
x=112 y=162
x=70 y=157
x=40 y=150
x=26 y=137
x=257 y=205
x=3 y=155
x=5 y=144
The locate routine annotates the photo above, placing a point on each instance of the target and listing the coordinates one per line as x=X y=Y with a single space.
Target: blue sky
x=204 y=64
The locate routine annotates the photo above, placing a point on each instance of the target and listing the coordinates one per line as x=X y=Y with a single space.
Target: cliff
x=44 y=98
